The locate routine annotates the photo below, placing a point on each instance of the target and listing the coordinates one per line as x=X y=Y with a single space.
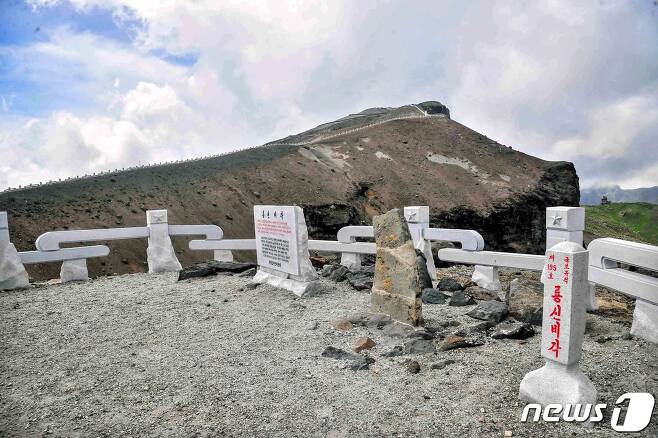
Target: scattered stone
x=453 y=341
x=482 y=294
x=327 y=270
x=525 y=300
x=433 y=296
x=360 y=280
x=212 y=267
x=449 y=284
x=450 y=323
x=358 y=319
x=249 y=286
x=422 y=333
x=418 y=346
x=338 y=353
x=397 y=330
x=461 y=298
x=338 y=274
x=508 y=433
x=316 y=288
x=493 y=311
x=248 y=273
x=399 y=276
x=363 y=343
x=412 y=366
x=378 y=321
x=393 y=352
x=514 y=330
x=441 y=364
x=341 y=324
x=361 y=363
x=311 y=325
x=603 y=339
x=473 y=329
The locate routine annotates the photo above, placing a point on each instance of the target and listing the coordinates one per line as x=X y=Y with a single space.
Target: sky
x=93 y=85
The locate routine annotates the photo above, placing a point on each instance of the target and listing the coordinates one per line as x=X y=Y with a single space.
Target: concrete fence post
x=563 y=329
x=223 y=255
x=160 y=252
x=12 y=272
x=418 y=218
x=486 y=277
x=74 y=270
x=567 y=224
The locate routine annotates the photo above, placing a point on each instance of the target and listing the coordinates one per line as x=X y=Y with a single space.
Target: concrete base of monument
x=161 y=257
x=12 y=272
x=74 y=270
x=282 y=280
x=557 y=383
x=486 y=277
x=645 y=321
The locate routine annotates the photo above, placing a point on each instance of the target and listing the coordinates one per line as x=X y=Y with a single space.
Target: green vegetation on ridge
x=630 y=221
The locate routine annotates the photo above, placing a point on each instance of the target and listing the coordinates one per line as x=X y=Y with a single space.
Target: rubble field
x=147 y=355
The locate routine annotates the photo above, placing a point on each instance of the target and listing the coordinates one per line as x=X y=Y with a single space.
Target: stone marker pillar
x=160 y=252
x=400 y=272
x=12 y=272
x=283 y=238
x=566 y=224
x=563 y=328
x=486 y=277
x=418 y=218
x=645 y=321
x=74 y=270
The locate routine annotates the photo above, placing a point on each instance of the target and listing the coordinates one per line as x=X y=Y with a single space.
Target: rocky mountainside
x=341 y=173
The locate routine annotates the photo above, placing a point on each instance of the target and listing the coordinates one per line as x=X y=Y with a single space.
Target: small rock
x=449 y=284
x=603 y=339
x=378 y=321
x=453 y=341
x=508 y=433
x=249 y=286
x=418 y=346
x=338 y=353
x=395 y=351
x=518 y=330
x=482 y=294
x=493 y=311
x=341 y=324
x=248 y=273
x=361 y=363
x=363 y=343
x=412 y=366
x=361 y=279
x=311 y=325
x=442 y=364
x=433 y=296
x=316 y=288
x=460 y=298
x=338 y=274
x=526 y=300
x=212 y=267
x=397 y=330
x=473 y=329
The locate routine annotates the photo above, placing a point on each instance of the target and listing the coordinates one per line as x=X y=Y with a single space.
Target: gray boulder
x=526 y=300
x=449 y=284
x=461 y=298
x=493 y=311
x=433 y=296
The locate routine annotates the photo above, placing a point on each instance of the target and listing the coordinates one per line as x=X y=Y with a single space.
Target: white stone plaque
x=276 y=237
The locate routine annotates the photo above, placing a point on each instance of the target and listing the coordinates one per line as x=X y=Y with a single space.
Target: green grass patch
x=631 y=221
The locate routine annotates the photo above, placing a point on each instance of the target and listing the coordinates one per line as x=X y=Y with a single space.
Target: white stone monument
x=563 y=328
x=160 y=252
x=282 y=248
x=12 y=272
x=567 y=224
x=418 y=218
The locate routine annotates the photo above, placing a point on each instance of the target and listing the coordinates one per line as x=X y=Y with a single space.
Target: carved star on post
x=556 y=219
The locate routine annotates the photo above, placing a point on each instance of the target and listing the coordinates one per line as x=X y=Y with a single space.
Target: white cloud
x=555 y=79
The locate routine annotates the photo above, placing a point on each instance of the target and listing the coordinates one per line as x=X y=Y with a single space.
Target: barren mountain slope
x=468 y=180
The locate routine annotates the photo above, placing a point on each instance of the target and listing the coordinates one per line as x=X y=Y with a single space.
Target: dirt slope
x=468 y=180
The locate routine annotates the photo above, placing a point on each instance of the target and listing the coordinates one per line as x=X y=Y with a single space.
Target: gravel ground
x=145 y=355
